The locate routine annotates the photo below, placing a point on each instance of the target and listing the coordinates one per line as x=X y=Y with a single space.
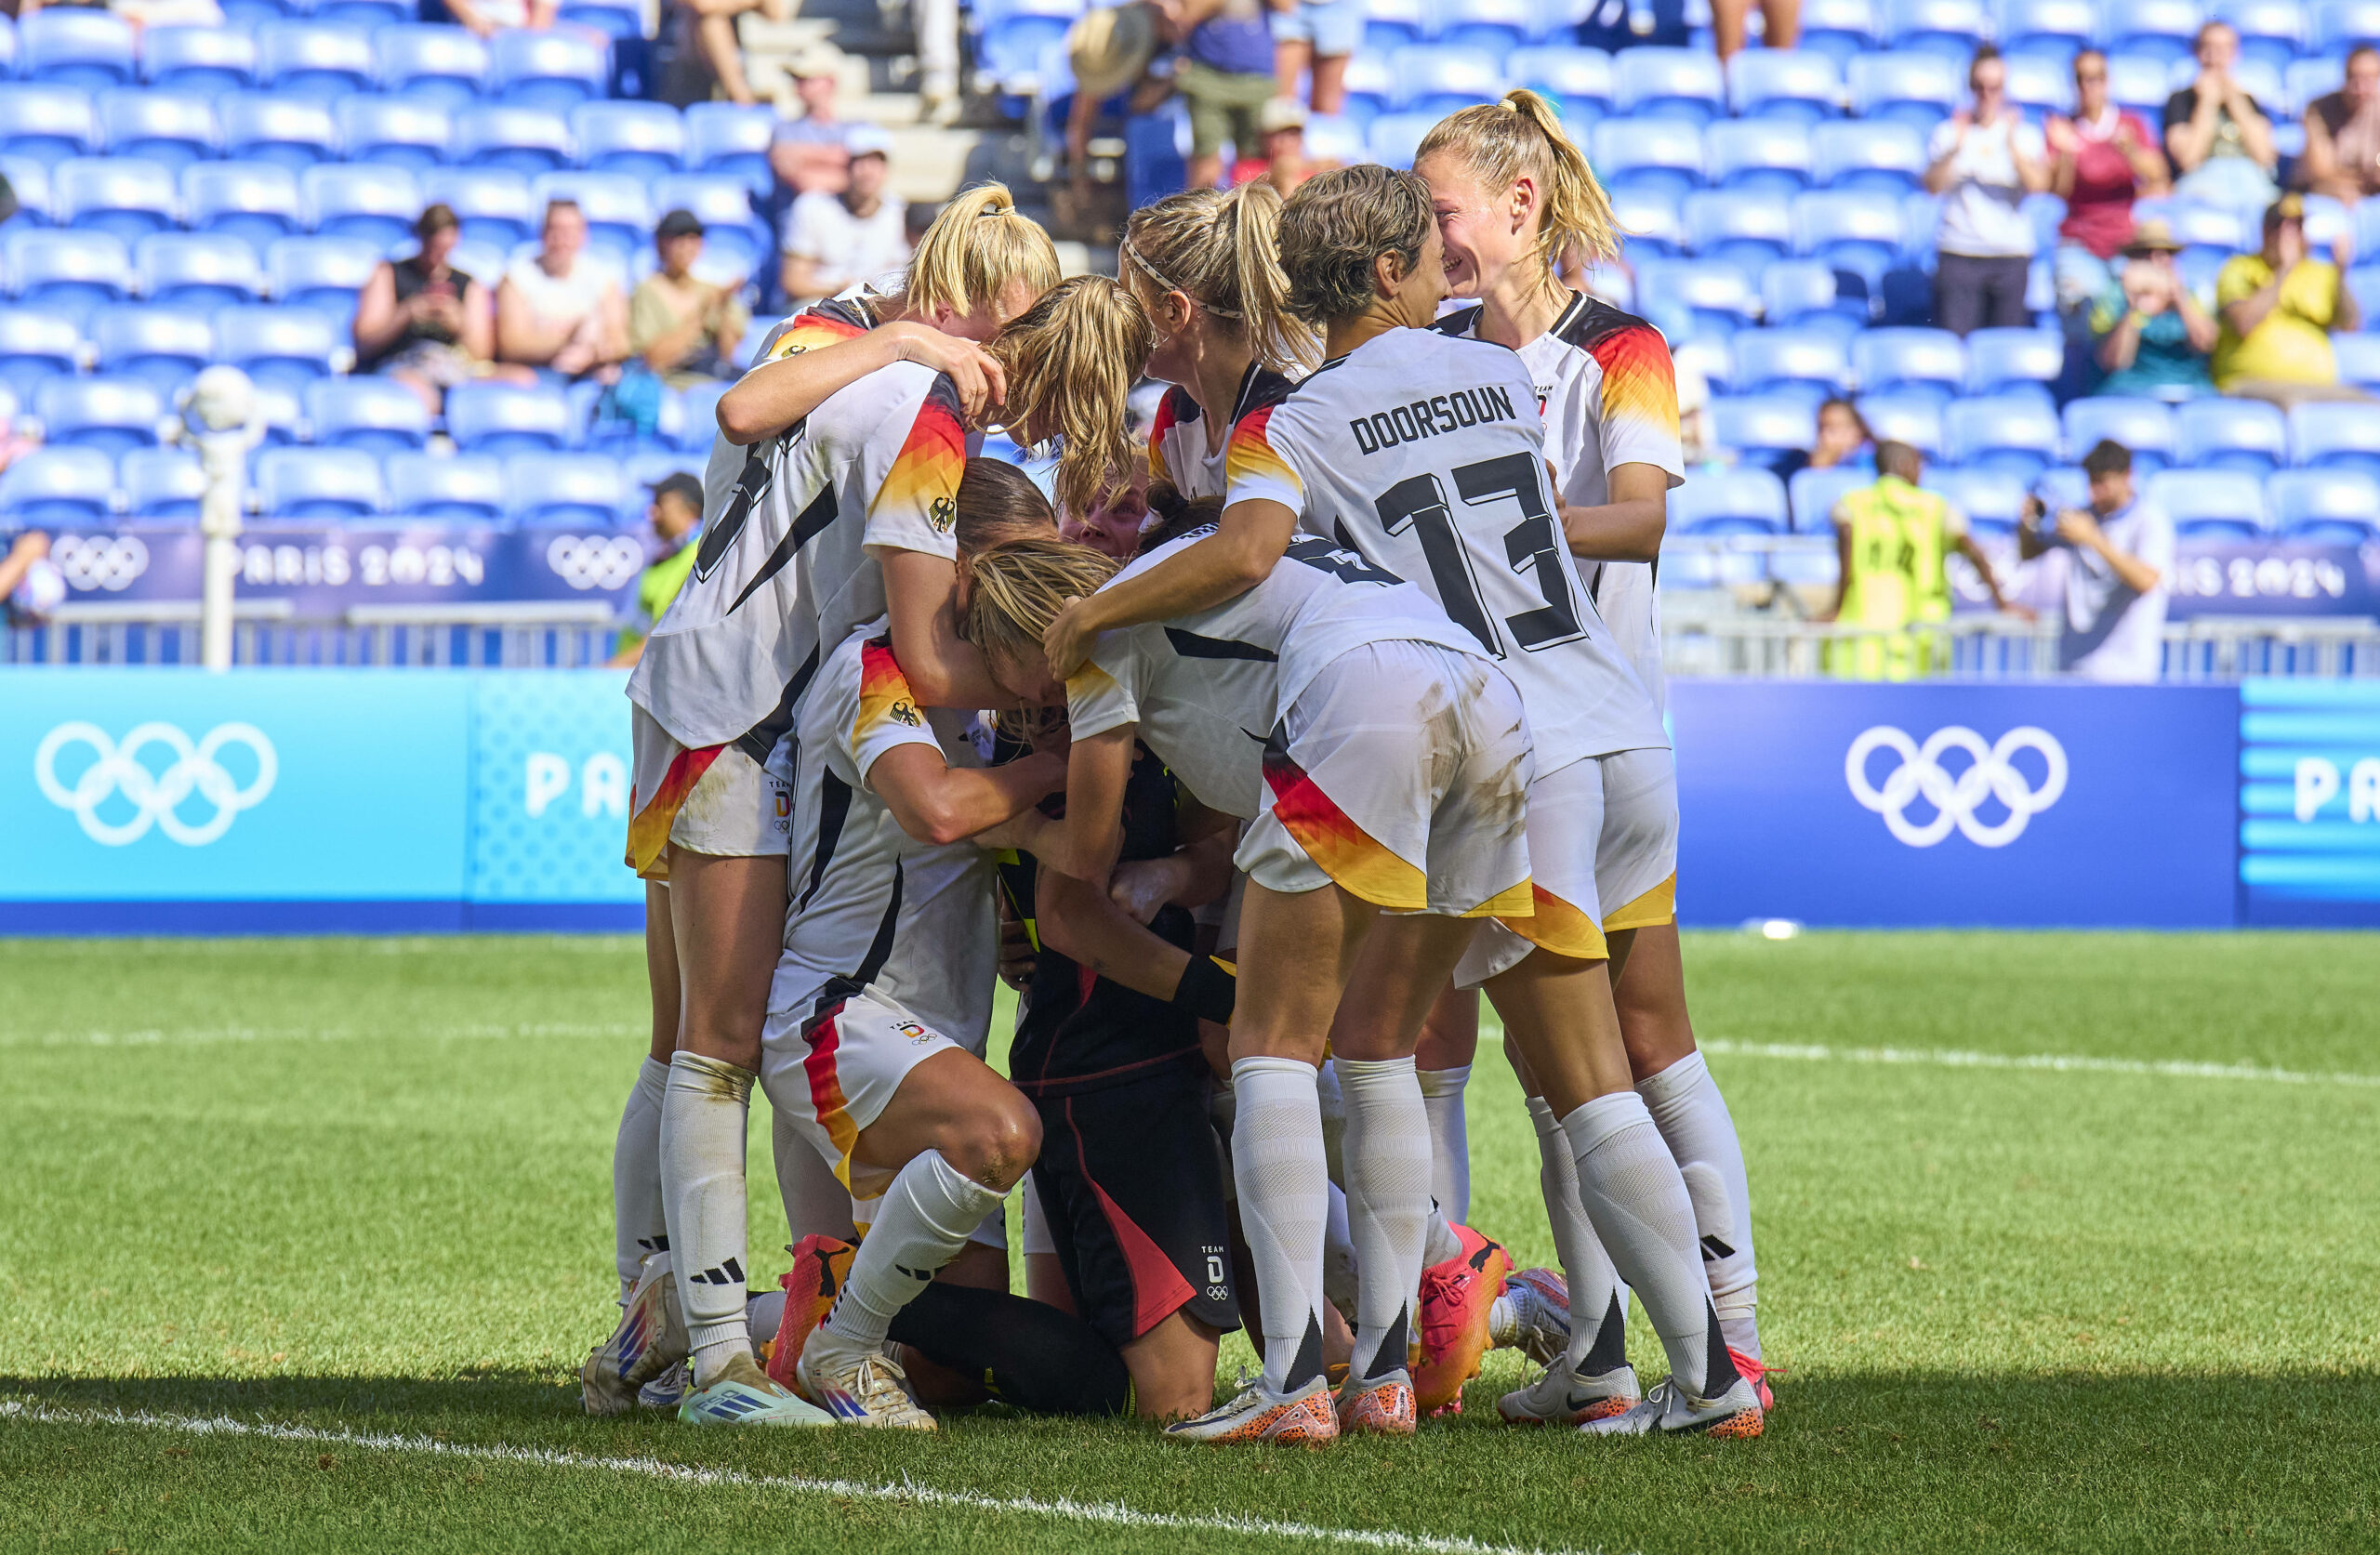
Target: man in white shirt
x=2117 y=560
x=832 y=240
x=1983 y=162
x=562 y=309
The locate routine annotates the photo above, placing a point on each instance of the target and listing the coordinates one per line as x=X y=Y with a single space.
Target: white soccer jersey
x=1207 y=688
x=1610 y=394
x=1185 y=450
x=1424 y=453
x=786 y=565
x=870 y=905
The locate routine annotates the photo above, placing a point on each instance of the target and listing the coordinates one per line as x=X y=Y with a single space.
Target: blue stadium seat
x=493 y=202
x=2335 y=437
x=1932 y=363
x=647 y=139
x=650 y=465
x=1763 y=428
x=1840 y=29
x=1670 y=83
x=697 y=418
x=127 y=196
x=1992 y=500
x=619 y=216
x=64 y=272
x=35 y=347
x=253 y=201
x=317 y=483
x=2216 y=433
x=724 y=206
x=2339 y=25
x=1852 y=229
x=1652 y=220
x=325 y=274
x=1436 y=81
x=1868 y=155
x=2146 y=427
x=59 y=487
x=161 y=485
x=199 y=61
x=444 y=65
x=1747 y=229
x=1949 y=28
x=197 y=272
x=1577 y=80
x=1390 y=25
x=2164 y=30
x=613 y=19
x=365 y=15
x=1785 y=83
x=497 y=419
x=1813 y=362
x=463 y=488
x=2000 y=360
x=2272 y=32
x=1799 y=294
x=2141 y=83
x=298 y=58
x=1496 y=26
x=398 y=132
x=2210 y=504
x=731 y=138
x=371 y=203
x=1011 y=47
x=2041 y=85
x=158 y=126
x=1814 y=492
x=287 y=347
x=372 y=415
x=277 y=408
x=576 y=489
x=1902 y=417
x=2052 y=29
x=526 y=140
x=108 y=414
x=2002 y=431
x=2359 y=359
x=8 y=48
x=1371 y=87
x=1652 y=154
x=554 y=69
x=292 y=132
x=1764 y=156
x=45 y=123
x=76 y=45
x=1910 y=88
x=1717 y=297
x=1748 y=501
x=1392 y=137
x=2333 y=505
x=164 y=346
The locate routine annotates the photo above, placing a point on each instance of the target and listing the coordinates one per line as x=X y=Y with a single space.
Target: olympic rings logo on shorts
x=109 y=562
x=1989 y=774
x=156 y=797
x=605 y=562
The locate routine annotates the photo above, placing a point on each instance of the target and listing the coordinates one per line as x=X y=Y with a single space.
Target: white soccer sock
x=1638 y=1206
x=1331 y=1099
x=1449 y=1140
x=704 y=1111
x=1598 y=1301
x=640 y=1223
x=1438 y=1240
x=1388 y=1204
x=920 y=1224
x=1693 y=1118
x=1339 y=1255
x=1284 y=1199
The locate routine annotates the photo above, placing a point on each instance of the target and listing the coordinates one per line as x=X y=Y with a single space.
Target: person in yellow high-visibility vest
x=1892 y=540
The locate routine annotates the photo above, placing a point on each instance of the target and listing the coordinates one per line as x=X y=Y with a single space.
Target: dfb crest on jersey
x=943 y=513
x=904 y=713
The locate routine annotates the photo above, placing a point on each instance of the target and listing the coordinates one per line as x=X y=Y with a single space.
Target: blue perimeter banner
x=2309 y=802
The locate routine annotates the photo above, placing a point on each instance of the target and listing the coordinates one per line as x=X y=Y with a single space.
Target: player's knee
x=1000 y=1140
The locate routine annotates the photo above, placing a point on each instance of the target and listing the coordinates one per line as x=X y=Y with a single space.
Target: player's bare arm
x=1239 y=555
x=938 y=803
x=1629 y=527
x=1085 y=844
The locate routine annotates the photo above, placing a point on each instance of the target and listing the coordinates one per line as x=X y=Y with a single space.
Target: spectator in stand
x=683 y=327
x=808 y=154
x=1782 y=19
x=1108 y=49
x=424 y=322
x=2153 y=338
x=2117 y=560
x=2104 y=158
x=560 y=312
x=485 y=16
x=709 y=52
x=30 y=585
x=833 y=241
x=1282 y=121
x=2218 y=137
x=676 y=508
x=2279 y=306
x=1223 y=67
x=1984 y=160
x=1844 y=441
x=2342 y=156
x=1893 y=543
x=1316 y=38
x=936 y=24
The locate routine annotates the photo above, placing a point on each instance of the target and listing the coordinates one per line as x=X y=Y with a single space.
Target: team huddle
x=1250 y=798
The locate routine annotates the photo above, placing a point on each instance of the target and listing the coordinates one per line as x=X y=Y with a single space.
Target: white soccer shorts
x=715 y=800
x=834 y=1075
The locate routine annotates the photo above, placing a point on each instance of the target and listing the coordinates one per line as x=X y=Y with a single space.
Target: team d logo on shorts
x=1957 y=797
x=913 y=1031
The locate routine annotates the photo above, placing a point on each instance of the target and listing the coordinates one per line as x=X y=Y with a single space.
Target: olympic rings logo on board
x=1989 y=774
x=109 y=562
x=605 y=562
x=156 y=797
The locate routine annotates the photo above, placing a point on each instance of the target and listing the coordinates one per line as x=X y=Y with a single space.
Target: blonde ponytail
x=978 y=247
x=1223 y=252
x=1071 y=360
x=1015 y=590
x=1500 y=144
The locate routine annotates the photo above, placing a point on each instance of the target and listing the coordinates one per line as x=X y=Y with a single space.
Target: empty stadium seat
x=317 y=483
x=1497 y=26
x=1745 y=227
x=198 y=272
x=613 y=19
x=2359 y=359
x=288 y=347
x=375 y=204
x=372 y=415
x=1785 y=83
x=157 y=127
x=1392 y=137
x=731 y=138
x=35 y=346
x=1010 y=45
x=1991 y=500
x=1578 y=81
x=161 y=485
x=1436 y=81
x=294 y=132
x=2014 y=432
x=47 y=123
x=1370 y=85
x=1717 y=297
x=2216 y=433
x=60 y=487
x=2335 y=437
x=556 y=68
x=1730 y=502
x=693 y=417
x=325 y=274
x=2002 y=360
x=526 y=140
x=731 y=233
x=64 y=272
x=2051 y=29
x=1652 y=220
x=1809 y=362
x=1763 y=428
x=1393 y=24
x=464 y=489
x=2271 y=32
x=443 y=65
x=1910 y=88
x=1801 y=294
x=579 y=489
x=493 y=202
x=1949 y=28
x=108 y=414
x=365 y=14
x=2335 y=504
x=399 y=132
x=2210 y=504
x=253 y=201
x=619 y=215
x=1930 y=361
x=29 y=181
x=302 y=59
x=1653 y=153
x=2140 y=82
x=2041 y=85
x=2144 y=427
x=201 y=61
x=646 y=140
x=127 y=196
x=76 y=45
x=1814 y=492
x=1853 y=229
x=1878 y=155
x=2163 y=30
x=1839 y=28
x=1769 y=156
x=497 y=419
x=164 y=346
x=1670 y=83
x=1902 y=417
x=2339 y=25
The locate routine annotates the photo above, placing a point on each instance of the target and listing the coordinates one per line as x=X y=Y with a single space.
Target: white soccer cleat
x=667 y=1390
x=1561 y=1397
x=1308 y=1418
x=1533 y=1316
x=651 y=1338
x=1668 y=1410
x=743 y=1396
x=871 y=1391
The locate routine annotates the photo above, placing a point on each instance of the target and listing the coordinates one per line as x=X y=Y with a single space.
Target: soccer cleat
x=1561 y=1396
x=1383 y=1407
x=743 y=1396
x=820 y=1264
x=666 y=1392
x=1304 y=1418
x=1456 y=1299
x=1756 y=1372
x=1533 y=1316
x=1671 y=1410
x=650 y=1339
x=872 y=1390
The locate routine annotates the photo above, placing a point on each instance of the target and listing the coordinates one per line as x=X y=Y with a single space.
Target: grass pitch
x=301 y=1241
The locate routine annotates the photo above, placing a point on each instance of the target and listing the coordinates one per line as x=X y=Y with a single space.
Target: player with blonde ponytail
x=1512 y=194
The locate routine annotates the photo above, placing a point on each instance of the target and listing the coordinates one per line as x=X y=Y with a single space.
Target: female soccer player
x=1512 y=194
x=1425 y=453
x=1396 y=765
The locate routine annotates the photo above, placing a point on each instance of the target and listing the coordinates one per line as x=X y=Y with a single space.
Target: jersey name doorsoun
x=1434 y=416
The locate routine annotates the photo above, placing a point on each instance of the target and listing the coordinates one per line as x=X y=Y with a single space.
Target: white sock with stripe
x=1693 y=1120
x=1387 y=1152
x=1449 y=1140
x=1284 y=1200
x=921 y=1222
x=1638 y=1206
x=640 y=1223
x=1597 y=1297
x=703 y=1113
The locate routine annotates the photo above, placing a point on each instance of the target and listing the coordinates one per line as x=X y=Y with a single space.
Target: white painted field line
x=1106 y=1514
x=2057 y=1062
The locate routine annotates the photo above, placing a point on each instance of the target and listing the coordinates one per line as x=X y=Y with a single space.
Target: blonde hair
x=1071 y=360
x=1015 y=590
x=1338 y=224
x=1501 y=143
x=1223 y=252
x=978 y=247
